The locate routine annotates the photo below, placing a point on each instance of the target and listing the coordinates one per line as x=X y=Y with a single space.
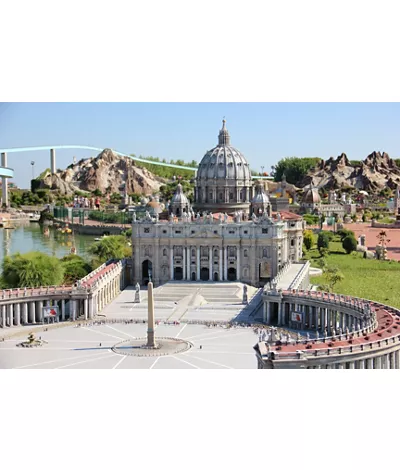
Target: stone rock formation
x=107 y=171
x=373 y=174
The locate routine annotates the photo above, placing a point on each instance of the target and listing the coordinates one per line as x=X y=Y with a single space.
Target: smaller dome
x=179 y=196
x=311 y=196
x=260 y=197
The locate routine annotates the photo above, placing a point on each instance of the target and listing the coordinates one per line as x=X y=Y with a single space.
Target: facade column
x=220 y=265
x=210 y=263
x=264 y=312
x=226 y=264
x=341 y=365
x=17 y=313
x=238 y=274
x=369 y=363
x=323 y=318
x=351 y=365
x=188 y=267
x=184 y=263
x=198 y=264
x=384 y=364
x=171 y=263
x=73 y=310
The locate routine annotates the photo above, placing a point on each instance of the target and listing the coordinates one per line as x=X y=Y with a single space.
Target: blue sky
x=263 y=132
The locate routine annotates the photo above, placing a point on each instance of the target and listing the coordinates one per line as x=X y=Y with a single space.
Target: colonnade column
x=40 y=311
x=369 y=363
x=210 y=263
x=378 y=362
x=3 y=316
x=17 y=313
x=62 y=309
x=10 y=314
x=32 y=308
x=397 y=359
x=25 y=313
x=171 y=263
x=85 y=308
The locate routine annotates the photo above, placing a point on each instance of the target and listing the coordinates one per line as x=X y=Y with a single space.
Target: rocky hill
x=373 y=174
x=107 y=171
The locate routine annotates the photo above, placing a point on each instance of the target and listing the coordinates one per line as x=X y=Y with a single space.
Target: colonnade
x=311 y=317
x=84 y=300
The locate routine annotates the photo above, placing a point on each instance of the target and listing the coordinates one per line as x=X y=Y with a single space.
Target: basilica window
x=230 y=196
x=220 y=197
x=232 y=251
x=193 y=252
x=245 y=253
x=265 y=253
x=203 y=251
x=164 y=231
x=146 y=251
x=164 y=252
x=264 y=230
x=215 y=253
x=292 y=242
x=147 y=230
x=178 y=251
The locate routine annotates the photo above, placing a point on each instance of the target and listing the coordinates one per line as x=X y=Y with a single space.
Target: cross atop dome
x=224 y=137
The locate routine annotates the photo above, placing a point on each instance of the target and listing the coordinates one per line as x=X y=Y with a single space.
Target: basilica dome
x=223 y=180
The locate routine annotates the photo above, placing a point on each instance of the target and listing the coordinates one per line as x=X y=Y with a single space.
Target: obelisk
x=150 y=316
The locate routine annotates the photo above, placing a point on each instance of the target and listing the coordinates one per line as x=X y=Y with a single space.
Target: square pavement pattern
x=89 y=347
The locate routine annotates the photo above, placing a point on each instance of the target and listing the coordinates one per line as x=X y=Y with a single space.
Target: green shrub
x=323 y=242
x=349 y=244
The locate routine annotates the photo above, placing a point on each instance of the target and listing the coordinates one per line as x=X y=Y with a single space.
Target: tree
x=294 y=168
x=308 y=239
x=111 y=247
x=323 y=242
x=75 y=268
x=349 y=244
x=33 y=269
x=332 y=275
x=344 y=232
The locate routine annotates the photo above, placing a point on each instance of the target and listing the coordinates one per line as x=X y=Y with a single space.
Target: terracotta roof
x=287 y=215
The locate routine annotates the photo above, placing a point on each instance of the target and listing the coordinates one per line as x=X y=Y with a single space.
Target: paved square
x=89 y=347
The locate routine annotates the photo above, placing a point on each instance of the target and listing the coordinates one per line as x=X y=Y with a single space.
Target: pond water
x=29 y=236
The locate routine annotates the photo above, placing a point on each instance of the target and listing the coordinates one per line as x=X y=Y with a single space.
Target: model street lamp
x=33 y=169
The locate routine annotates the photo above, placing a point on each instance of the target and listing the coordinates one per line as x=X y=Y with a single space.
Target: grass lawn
x=368 y=278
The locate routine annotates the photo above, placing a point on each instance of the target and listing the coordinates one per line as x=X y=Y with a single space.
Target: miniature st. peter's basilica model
x=230 y=233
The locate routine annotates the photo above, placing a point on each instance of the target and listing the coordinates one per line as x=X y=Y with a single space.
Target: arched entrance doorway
x=215 y=276
x=204 y=274
x=178 y=273
x=193 y=276
x=147 y=269
x=231 y=274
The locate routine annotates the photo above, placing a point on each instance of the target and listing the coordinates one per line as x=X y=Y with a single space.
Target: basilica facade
x=229 y=233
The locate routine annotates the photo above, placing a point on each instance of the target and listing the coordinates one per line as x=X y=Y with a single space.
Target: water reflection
x=30 y=237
